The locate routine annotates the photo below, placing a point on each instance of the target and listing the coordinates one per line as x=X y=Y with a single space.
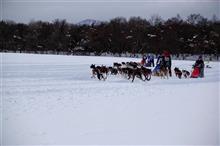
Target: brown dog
x=163 y=72
x=136 y=72
x=96 y=72
x=146 y=73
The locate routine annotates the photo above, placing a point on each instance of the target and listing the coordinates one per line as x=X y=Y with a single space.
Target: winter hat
x=166 y=53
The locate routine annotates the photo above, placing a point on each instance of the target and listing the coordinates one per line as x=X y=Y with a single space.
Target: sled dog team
x=130 y=70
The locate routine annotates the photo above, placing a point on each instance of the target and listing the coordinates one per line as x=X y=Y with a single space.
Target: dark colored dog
x=116 y=65
x=163 y=72
x=103 y=70
x=132 y=64
x=207 y=66
x=136 y=72
x=132 y=70
x=186 y=73
x=96 y=71
x=146 y=72
x=113 y=71
x=124 y=71
x=178 y=73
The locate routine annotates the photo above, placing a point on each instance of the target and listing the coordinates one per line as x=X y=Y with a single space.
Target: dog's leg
x=145 y=77
x=103 y=77
x=161 y=74
x=133 y=76
x=98 y=76
x=129 y=76
x=106 y=76
x=93 y=74
x=141 y=77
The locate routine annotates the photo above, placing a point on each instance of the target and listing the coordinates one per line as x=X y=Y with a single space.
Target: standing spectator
x=167 y=59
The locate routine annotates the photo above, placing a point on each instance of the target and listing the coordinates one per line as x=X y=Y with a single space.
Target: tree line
x=194 y=35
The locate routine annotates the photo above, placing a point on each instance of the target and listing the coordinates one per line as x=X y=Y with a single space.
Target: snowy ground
x=49 y=99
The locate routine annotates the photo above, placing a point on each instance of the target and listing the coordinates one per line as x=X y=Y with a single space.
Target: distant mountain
x=89 y=22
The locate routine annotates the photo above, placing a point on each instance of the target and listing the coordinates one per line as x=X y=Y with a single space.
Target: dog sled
x=195 y=73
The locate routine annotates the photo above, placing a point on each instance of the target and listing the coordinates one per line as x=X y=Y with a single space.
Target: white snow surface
x=51 y=99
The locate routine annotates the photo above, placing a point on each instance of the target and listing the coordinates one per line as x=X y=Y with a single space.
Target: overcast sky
x=76 y=10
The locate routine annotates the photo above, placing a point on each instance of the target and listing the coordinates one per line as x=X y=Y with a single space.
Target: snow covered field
x=49 y=99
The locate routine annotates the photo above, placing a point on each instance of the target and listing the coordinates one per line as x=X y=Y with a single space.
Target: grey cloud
x=75 y=11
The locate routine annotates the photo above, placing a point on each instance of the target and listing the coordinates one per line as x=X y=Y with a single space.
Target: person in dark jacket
x=151 y=60
x=167 y=60
x=200 y=64
x=160 y=61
